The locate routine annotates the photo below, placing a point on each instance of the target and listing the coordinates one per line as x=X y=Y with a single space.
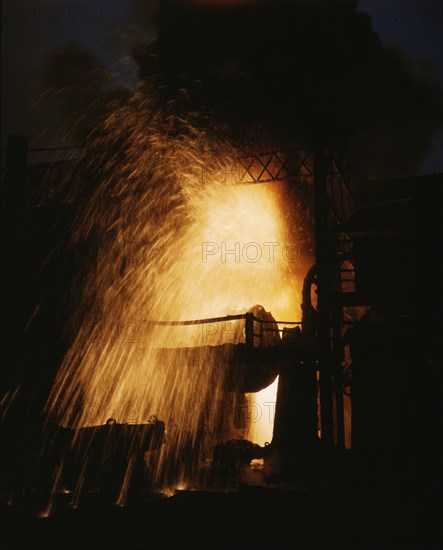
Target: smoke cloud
x=298 y=70
x=275 y=73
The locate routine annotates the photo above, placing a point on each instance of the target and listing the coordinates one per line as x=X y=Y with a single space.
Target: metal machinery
x=370 y=312
x=309 y=411
x=333 y=275
x=319 y=342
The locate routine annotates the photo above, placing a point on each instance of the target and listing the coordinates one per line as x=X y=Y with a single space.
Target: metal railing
x=250 y=320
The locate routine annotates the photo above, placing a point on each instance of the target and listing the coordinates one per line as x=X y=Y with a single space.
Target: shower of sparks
x=177 y=238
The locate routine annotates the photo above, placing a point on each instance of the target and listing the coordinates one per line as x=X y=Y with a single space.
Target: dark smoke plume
x=300 y=70
x=274 y=73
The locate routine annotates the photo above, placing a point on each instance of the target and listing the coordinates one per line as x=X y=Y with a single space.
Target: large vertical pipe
x=323 y=304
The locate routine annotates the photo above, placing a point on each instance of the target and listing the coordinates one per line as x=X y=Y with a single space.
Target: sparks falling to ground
x=177 y=238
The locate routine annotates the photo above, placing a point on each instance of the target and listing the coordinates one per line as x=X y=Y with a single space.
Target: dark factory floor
x=326 y=515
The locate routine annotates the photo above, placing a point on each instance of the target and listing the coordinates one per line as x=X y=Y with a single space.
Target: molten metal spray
x=177 y=238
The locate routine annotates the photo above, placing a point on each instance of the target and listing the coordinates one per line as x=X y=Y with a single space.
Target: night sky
x=107 y=31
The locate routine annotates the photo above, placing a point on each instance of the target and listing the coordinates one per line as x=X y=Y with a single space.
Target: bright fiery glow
x=177 y=241
x=262 y=418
